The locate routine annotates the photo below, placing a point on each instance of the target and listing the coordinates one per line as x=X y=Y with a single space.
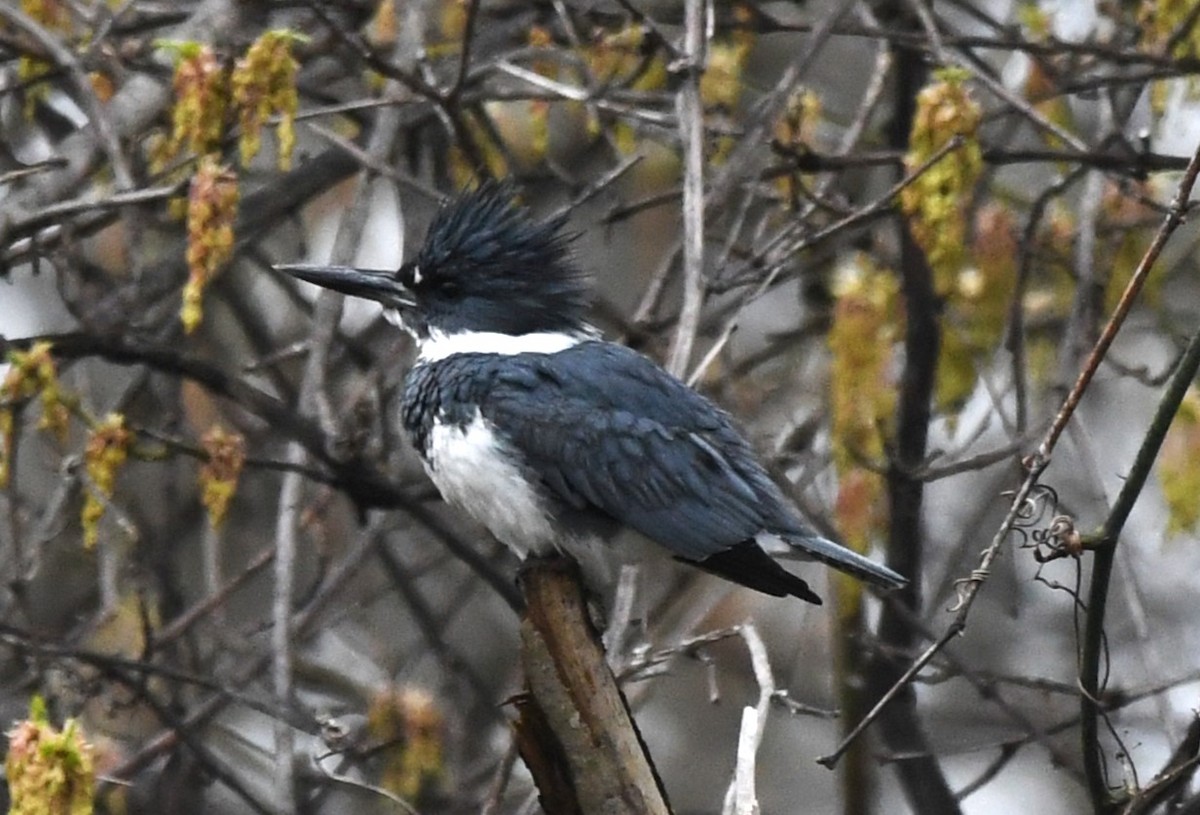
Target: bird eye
x=409 y=275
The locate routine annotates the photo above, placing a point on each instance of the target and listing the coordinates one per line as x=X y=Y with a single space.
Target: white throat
x=439 y=345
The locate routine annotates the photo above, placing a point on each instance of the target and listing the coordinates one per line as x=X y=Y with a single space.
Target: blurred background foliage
x=227 y=585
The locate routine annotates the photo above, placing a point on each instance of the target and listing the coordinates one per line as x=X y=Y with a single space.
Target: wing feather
x=603 y=426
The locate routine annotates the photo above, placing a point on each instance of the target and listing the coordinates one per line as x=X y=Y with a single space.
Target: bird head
x=487 y=264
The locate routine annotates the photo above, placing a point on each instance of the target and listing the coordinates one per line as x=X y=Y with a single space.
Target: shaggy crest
x=492 y=258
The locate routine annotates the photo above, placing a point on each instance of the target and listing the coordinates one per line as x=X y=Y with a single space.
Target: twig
x=1135 y=480
x=189 y=617
x=931 y=472
x=602 y=183
x=1088 y=302
x=328 y=315
x=925 y=15
x=1022 y=106
x=290 y=497
x=1007 y=753
x=1173 y=779
x=353 y=783
x=657 y=284
x=376 y=165
x=491 y=804
x=32 y=169
x=190 y=737
x=747 y=152
x=119 y=668
x=1014 y=337
x=780 y=249
x=1173 y=220
x=689 y=109
x=616 y=635
x=652 y=26
x=741 y=798
x=91 y=203
x=576 y=94
x=464 y=56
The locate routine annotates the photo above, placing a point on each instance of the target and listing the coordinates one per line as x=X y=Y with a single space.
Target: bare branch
x=689 y=109
x=595 y=741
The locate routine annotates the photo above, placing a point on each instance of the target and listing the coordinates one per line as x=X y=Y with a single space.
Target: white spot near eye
x=416 y=275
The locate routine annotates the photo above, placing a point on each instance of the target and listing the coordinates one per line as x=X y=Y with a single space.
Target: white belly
x=474 y=471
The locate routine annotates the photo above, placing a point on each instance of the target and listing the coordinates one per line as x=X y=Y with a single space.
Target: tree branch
x=576 y=733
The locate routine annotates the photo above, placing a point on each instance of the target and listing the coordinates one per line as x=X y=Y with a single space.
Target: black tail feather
x=747 y=564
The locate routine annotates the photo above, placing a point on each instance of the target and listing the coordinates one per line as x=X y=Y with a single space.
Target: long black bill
x=370 y=284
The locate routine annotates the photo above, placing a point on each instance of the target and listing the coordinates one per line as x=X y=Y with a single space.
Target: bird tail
x=843 y=559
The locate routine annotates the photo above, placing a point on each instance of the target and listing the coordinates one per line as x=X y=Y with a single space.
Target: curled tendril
x=1058 y=540
x=1044 y=529
x=963 y=585
x=1041 y=501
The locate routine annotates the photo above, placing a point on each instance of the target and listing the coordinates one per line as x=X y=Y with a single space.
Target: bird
x=555 y=439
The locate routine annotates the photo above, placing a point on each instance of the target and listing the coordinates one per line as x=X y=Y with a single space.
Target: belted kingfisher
x=550 y=436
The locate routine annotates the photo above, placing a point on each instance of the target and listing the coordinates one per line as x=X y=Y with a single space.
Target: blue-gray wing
x=606 y=428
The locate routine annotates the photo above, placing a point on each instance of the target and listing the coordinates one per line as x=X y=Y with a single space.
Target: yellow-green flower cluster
x=977 y=306
x=383 y=30
x=31 y=372
x=866 y=323
x=219 y=475
x=1177 y=471
x=106 y=451
x=1041 y=88
x=865 y=329
x=618 y=57
x=623 y=57
x=1158 y=22
x=936 y=201
x=264 y=85
x=721 y=84
x=540 y=38
x=198 y=118
x=211 y=212
x=796 y=126
x=208 y=95
x=451 y=26
x=793 y=134
x=50 y=772
x=409 y=719
x=462 y=166
x=1127 y=225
